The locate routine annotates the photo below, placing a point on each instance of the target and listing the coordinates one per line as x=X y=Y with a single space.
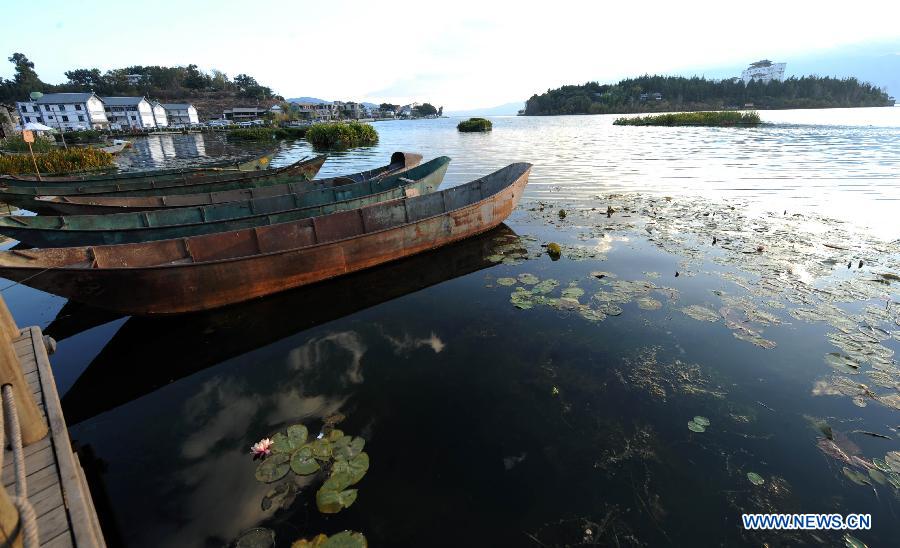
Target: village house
x=131 y=112
x=64 y=111
x=317 y=112
x=243 y=114
x=183 y=114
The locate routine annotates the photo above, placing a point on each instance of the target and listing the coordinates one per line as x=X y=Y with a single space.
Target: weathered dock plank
x=57 y=489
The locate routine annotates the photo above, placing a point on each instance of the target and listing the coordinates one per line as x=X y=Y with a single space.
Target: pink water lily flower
x=262 y=448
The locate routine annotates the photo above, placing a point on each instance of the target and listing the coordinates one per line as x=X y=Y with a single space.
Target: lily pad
x=337 y=481
x=344 y=539
x=646 y=303
x=572 y=293
x=281 y=444
x=348 y=447
x=332 y=502
x=755 y=478
x=297 y=435
x=528 y=279
x=335 y=435
x=703 y=421
x=321 y=449
x=701 y=313
x=521 y=299
x=694 y=427
x=877 y=476
x=544 y=287
x=281 y=496
x=852 y=542
x=258 y=537
x=892 y=459
x=841 y=363
x=273 y=468
x=356 y=467
x=303 y=462
x=856 y=476
x=506 y=281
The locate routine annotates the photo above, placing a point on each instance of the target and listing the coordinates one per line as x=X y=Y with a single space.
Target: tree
x=426 y=109
x=219 y=80
x=26 y=79
x=440 y=111
x=194 y=79
x=388 y=106
x=86 y=79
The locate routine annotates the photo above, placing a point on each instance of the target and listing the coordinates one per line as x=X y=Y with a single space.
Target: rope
x=9 y=426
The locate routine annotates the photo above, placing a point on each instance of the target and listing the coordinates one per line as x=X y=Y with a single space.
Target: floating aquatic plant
x=755 y=478
x=258 y=537
x=554 y=250
x=339 y=454
x=701 y=420
x=701 y=313
x=506 y=281
x=344 y=539
x=695 y=427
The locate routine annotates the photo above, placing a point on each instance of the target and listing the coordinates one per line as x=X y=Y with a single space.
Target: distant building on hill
x=181 y=114
x=64 y=111
x=133 y=112
x=763 y=71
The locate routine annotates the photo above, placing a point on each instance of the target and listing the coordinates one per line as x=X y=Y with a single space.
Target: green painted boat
x=101 y=205
x=25 y=197
x=252 y=163
x=79 y=230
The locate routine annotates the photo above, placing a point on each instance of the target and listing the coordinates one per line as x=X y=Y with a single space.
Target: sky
x=461 y=55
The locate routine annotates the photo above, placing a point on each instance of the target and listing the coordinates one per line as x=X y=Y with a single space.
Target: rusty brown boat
x=215 y=270
x=103 y=205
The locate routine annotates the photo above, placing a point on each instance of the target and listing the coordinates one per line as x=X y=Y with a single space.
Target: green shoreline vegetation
x=341 y=135
x=57 y=161
x=266 y=133
x=475 y=124
x=730 y=118
x=675 y=93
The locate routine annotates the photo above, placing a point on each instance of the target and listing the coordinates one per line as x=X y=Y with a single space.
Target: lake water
x=508 y=399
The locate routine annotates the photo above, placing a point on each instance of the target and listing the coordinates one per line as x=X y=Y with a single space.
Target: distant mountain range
x=317 y=101
x=499 y=110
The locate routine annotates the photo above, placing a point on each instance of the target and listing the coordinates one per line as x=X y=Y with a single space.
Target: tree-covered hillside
x=166 y=84
x=675 y=93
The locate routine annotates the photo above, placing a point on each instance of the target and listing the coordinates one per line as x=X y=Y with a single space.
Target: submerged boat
x=238 y=164
x=26 y=197
x=101 y=205
x=215 y=270
x=79 y=230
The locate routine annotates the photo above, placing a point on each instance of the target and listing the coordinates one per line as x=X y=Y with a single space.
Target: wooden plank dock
x=57 y=489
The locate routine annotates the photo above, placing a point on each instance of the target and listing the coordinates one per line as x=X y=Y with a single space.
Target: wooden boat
x=101 y=205
x=146 y=226
x=214 y=270
x=26 y=197
x=239 y=164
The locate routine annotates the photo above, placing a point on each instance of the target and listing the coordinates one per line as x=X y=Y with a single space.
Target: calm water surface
x=491 y=425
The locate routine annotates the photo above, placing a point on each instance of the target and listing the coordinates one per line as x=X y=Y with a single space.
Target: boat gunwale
x=230 y=219
x=231 y=177
x=184 y=261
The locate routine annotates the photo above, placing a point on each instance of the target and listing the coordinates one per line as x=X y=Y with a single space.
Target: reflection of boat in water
x=148 y=353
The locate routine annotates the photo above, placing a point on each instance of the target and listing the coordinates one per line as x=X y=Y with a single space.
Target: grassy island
x=341 y=135
x=475 y=124
x=708 y=119
x=57 y=161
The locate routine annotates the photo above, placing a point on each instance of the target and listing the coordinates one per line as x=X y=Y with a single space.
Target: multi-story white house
x=65 y=111
x=160 y=116
x=181 y=114
x=130 y=112
x=763 y=71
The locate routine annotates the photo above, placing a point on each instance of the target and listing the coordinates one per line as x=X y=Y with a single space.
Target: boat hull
x=232 y=215
x=194 y=286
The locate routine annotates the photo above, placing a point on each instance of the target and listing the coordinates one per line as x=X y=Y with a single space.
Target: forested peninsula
x=676 y=93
